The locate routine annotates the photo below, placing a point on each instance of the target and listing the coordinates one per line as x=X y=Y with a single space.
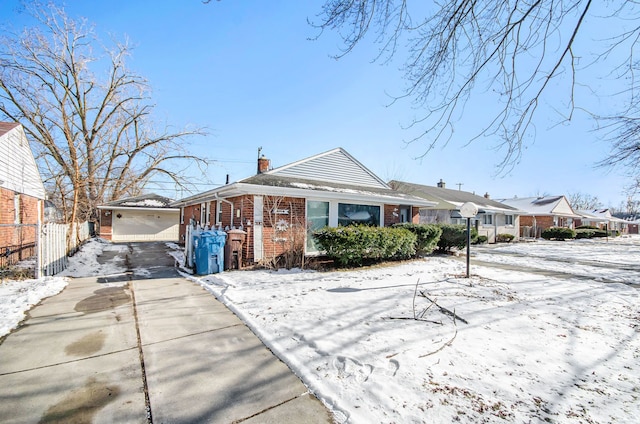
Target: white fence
x=53 y=252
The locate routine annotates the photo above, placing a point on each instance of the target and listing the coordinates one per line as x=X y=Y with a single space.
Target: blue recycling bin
x=209 y=252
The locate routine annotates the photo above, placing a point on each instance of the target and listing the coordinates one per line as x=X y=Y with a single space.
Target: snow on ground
x=17 y=297
x=376 y=347
x=523 y=348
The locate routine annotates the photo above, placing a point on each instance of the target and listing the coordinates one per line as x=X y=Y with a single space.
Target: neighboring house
x=22 y=195
x=142 y=218
x=602 y=218
x=540 y=213
x=493 y=217
x=631 y=220
x=279 y=208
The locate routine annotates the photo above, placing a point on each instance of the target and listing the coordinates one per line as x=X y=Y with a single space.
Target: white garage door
x=145 y=225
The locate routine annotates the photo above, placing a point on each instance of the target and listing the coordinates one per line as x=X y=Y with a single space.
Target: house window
x=350 y=214
x=317 y=218
x=219 y=213
x=487 y=219
x=508 y=220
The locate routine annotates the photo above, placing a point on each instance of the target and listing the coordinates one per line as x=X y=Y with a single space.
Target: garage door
x=145 y=226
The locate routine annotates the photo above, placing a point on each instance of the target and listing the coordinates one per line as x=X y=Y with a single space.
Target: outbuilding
x=142 y=218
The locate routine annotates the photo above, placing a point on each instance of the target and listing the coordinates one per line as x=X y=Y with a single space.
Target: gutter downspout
x=226 y=201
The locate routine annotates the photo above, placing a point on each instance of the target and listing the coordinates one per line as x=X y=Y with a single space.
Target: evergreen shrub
x=504 y=238
x=558 y=233
x=355 y=245
x=455 y=236
x=427 y=235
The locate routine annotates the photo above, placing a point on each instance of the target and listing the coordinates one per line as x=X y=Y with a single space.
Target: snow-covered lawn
x=522 y=348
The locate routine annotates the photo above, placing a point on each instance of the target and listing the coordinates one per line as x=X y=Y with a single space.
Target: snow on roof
x=143 y=201
x=451 y=199
x=546 y=205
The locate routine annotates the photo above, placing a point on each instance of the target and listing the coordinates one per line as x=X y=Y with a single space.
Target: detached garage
x=142 y=218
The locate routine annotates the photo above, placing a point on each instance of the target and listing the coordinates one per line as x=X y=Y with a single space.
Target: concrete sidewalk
x=138 y=350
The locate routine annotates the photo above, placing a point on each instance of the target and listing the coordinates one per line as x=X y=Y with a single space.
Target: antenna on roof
x=259 y=151
x=459 y=185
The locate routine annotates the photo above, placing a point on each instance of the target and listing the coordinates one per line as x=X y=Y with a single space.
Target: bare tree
x=513 y=53
x=583 y=201
x=87 y=114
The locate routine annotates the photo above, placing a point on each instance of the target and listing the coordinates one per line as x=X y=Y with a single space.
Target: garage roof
x=145 y=201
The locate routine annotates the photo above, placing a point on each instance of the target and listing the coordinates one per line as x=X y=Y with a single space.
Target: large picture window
x=349 y=214
x=317 y=218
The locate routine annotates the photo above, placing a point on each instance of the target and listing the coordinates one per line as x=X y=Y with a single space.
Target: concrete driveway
x=146 y=346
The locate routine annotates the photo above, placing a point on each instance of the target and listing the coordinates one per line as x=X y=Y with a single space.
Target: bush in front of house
x=587 y=233
x=504 y=238
x=455 y=236
x=355 y=245
x=427 y=235
x=481 y=240
x=558 y=233
x=586 y=227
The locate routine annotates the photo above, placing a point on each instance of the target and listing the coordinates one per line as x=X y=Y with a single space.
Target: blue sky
x=252 y=75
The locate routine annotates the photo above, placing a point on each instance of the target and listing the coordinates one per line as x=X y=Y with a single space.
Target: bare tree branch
x=94 y=138
x=514 y=55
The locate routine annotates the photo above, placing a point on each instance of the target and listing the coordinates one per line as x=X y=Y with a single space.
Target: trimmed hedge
x=427 y=235
x=455 y=236
x=582 y=233
x=504 y=238
x=558 y=233
x=481 y=240
x=353 y=245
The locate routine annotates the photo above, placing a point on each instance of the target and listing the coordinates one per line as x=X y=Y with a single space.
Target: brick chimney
x=263 y=164
x=441 y=184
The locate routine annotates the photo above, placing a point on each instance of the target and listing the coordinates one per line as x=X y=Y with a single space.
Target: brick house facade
x=540 y=213
x=279 y=208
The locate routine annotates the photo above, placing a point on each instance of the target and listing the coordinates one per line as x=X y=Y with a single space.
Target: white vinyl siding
x=335 y=166
x=18 y=169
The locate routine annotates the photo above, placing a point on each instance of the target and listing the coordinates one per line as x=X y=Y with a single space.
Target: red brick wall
x=415 y=215
x=277 y=239
x=106 y=219
x=19 y=240
x=541 y=221
x=391 y=215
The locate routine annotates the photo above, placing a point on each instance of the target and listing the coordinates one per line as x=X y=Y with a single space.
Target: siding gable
x=18 y=169
x=335 y=166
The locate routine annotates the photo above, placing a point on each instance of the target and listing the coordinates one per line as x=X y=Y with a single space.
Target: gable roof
x=18 y=169
x=142 y=202
x=335 y=166
x=541 y=206
x=448 y=199
x=333 y=175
